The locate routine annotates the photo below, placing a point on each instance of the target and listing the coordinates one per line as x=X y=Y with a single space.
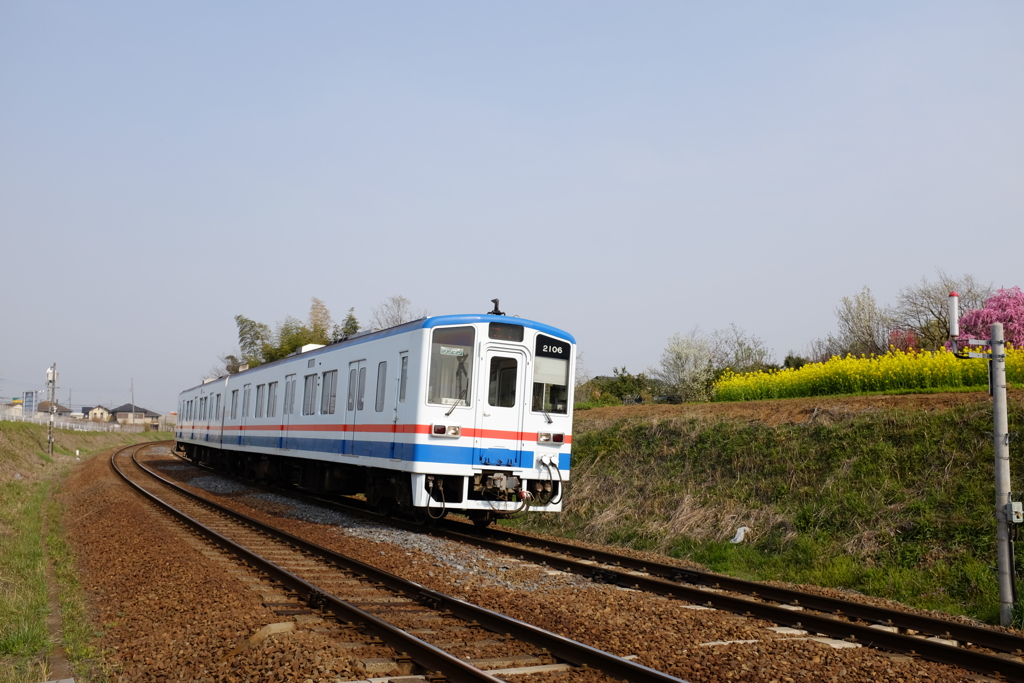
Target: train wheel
x=481 y=520
x=382 y=505
x=422 y=517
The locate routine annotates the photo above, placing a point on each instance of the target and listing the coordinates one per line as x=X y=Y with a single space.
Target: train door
x=287 y=411
x=354 y=405
x=500 y=434
x=219 y=415
x=246 y=396
x=400 y=448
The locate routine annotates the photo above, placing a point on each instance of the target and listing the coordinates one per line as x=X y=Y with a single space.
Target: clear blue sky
x=624 y=170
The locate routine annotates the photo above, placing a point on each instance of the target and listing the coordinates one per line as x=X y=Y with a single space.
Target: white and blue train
x=465 y=413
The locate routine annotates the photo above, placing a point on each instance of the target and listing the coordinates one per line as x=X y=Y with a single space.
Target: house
x=135 y=415
x=96 y=413
x=12 y=409
x=61 y=411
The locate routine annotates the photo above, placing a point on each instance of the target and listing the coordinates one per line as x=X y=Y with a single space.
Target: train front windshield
x=551 y=375
x=451 y=366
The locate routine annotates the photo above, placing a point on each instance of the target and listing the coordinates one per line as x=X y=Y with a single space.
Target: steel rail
x=424 y=653
x=951 y=630
x=575 y=653
x=931 y=650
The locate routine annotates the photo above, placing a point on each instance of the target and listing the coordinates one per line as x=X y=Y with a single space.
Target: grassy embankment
x=892 y=503
x=27 y=475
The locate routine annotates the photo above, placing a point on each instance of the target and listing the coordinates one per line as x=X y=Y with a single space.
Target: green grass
x=897 y=504
x=23 y=601
x=76 y=626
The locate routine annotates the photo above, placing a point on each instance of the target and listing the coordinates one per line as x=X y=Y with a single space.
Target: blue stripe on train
x=427 y=453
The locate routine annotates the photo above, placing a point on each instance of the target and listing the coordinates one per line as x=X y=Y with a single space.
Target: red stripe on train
x=376 y=429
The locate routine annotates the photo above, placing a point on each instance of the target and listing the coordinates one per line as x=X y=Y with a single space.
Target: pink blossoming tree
x=1007 y=307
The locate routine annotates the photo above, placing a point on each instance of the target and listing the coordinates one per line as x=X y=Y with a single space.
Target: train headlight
x=450 y=431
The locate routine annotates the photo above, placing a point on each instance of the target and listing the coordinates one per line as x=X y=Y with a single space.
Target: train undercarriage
x=387 y=492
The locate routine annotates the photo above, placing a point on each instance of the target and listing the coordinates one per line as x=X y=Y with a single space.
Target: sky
x=623 y=171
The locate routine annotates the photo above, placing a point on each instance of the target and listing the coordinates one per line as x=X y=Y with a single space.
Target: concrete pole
x=1001 y=445
x=52 y=396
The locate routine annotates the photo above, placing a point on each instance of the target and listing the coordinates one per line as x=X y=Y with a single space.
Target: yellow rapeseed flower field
x=894 y=372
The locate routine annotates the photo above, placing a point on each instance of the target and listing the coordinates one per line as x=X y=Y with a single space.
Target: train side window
x=329 y=393
x=451 y=366
x=234 y=404
x=309 y=396
x=216 y=414
x=362 y=388
x=272 y=399
x=352 y=389
x=202 y=406
x=289 y=395
x=261 y=391
x=404 y=379
x=382 y=374
x=246 y=394
x=504 y=375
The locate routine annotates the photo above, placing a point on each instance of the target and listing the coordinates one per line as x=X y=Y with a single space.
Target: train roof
x=439 y=320
x=422 y=323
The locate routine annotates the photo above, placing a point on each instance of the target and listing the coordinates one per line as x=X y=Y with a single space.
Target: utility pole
x=132 y=419
x=51 y=394
x=1008 y=512
x=1005 y=512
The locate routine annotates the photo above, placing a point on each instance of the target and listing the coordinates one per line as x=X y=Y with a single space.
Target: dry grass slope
x=890 y=495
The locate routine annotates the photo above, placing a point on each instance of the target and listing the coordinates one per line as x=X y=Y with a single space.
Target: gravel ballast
x=165 y=609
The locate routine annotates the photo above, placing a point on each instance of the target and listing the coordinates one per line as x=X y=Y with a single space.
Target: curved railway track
x=461 y=641
x=983 y=650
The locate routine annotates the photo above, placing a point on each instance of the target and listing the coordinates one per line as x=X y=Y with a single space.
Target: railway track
x=982 y=650
x=432 y=634
x=937 y=640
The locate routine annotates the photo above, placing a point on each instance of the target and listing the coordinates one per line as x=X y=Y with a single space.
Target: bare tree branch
x=394 y=310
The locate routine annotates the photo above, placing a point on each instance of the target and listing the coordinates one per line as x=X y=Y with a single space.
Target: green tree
x=794 y=362
x=259 y=345
x=624 y=385
x=348 y=328
x=253 y=340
